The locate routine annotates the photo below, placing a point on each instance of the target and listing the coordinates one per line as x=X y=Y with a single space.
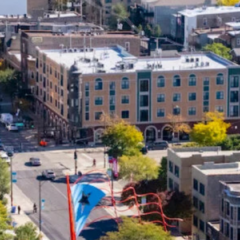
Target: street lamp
x=75 y=161
x=40 y=205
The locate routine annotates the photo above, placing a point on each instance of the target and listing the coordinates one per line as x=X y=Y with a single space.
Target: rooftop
x=211 y=168
x=209 y=10
x=176 y=3
x=234 y=33
x=116 y=59
x=234 y=25
x=60 y=14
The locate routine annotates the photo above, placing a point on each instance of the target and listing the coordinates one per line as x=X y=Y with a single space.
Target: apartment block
x=180 y=168
x=206 y=196
x=186 y=21
x=143 y=91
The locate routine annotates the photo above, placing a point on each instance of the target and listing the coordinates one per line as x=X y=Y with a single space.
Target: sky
x=13 y=7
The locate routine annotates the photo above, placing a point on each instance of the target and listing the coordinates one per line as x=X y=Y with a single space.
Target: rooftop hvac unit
x=207 y=64
x=202 y=64
x=65 y=50
x=90 y=49
x=192 y=59
x=187 y=59
x=70 y=50
x=81 y=50
x=75 y=50
x=197 y=59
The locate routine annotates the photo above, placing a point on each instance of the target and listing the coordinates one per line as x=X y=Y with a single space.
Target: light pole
x=11 y=181
x=75 y=161
x=40 y=205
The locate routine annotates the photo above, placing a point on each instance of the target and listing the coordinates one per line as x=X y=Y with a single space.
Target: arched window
x=176 y=81
x=125 y=83
x=98 y=84
x=161 y=81
x=220 y=79
x=192 y=81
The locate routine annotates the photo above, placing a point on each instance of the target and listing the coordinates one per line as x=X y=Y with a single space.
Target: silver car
x=48 y=174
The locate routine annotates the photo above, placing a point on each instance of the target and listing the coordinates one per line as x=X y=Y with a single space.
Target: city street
x=55 y=213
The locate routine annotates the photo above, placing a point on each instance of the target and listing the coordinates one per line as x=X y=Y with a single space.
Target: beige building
x=180 y=170
x=207 y=200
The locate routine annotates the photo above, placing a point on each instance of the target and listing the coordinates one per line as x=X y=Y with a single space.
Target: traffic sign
x=42 y=203
x=14 y=177
x=109 y=172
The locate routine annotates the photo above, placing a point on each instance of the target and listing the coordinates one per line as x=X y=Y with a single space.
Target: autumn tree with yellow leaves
x=211 y=131
x=227 y=2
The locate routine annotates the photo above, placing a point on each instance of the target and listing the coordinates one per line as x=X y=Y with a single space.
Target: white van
x=6 y=118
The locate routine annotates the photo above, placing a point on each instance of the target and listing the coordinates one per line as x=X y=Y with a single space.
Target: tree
x=4 y=179
x=138 y=168
x=219 y=49
x=157 y=31
x=212 y=131
x=131 y=229
x=162 y=173
x=3 y=218
x=148 y=31
x=227 y=2
x=27 y=232
x=121 y=137
x=177 y=124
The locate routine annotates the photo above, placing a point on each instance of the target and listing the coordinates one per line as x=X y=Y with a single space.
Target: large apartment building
x=143 y=91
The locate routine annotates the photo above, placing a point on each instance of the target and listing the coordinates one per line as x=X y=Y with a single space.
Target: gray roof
x=236 y=51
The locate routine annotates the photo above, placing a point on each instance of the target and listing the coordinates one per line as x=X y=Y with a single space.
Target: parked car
x=35 y=161
x=6 y=118
x=2 y=148
x=5 y=157
x=144 y=150
x=48 y=174
x=159 y=145
x=11 y=127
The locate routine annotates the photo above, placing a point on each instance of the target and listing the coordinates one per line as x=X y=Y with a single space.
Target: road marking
x=59 y=191
x=85 y=155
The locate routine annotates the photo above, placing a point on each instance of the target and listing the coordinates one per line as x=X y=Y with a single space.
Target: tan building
x=206 y=195
x=180 y=162
x=143 y=91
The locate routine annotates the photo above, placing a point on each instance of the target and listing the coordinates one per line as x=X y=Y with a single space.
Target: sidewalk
x=26 y=208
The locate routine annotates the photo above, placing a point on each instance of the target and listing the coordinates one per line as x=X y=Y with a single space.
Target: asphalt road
x=55 y=219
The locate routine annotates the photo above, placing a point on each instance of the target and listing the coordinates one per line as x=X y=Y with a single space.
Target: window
x=238 y=214
x=206 y=96
x=61 y=92
x=125 y=83
x=202 y=189
x=221 y=226
x=176 y=110
x=238 y=234
x=98 y=84
x=231 y=212
x=144 y=86
x=204 y=22
x=161 y=98
x=201 y=207
x=220 y=79
x=195 y=221
x=219 y=95
x=231 y=233
x=192 y=111
x=87 y=86
x=160 y=112
x=234 y=111
x=112 y=100
x=112 y=88
x=201 y=225
x=98 y=115
x=195 y=184
x=125 y=114
x=143 y=115
x=127 y=46
x=195 y=202
x=192 y=80
x=125 y=99
x=227 y=208
x=238 y=41
x=144 y=101
x=170 y=183
x=56 y=103
x=234 y=81
x=205 y=109
x=36 y=76
x=98 y=100
x=50 y=99
x=206 y=81
x=161 y=82
x=227 y=230
x=176 y=97
x=219 y=108
x=176 y=81
x=170 y=166
x=234 y=96
x=176 y=171
x=56 y=88
x=87 y=116
x=192 y=96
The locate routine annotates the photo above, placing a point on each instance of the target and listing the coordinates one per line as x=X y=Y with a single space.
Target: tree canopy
x=212 y=131
x=131 y=229
x=4 y=178
x=157 y=31
x=178 y=123
x=138 y=168
x=121 y=137
x=219 y=49
x=27 y=231
x=227 y=2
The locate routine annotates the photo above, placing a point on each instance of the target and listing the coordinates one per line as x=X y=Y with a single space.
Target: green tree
x=219 y=49
x=157 y=31
x=121 y=137
x=148 y=31
x=4 y=179
x=138 y=168
x=162 y=173
x=227 y=2
x=27 y=232
x=3 y=218
x=131 y=229
x=212 y=131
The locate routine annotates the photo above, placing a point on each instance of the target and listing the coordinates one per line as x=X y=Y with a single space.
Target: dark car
x=159 y=145
x=2 y=147
x=144 y=150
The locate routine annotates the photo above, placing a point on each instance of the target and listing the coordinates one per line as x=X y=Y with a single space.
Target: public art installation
x=84 y=197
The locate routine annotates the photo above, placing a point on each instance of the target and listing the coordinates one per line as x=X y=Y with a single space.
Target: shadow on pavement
x=98 y=229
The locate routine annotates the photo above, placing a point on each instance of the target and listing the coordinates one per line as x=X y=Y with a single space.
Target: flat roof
x=110 y=59
x=209 y=11
x=234 y=33
x=234 y=25
x=205 y=153
x=60 y=14
x=211 y=168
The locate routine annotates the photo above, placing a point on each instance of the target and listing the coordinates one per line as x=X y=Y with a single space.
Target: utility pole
x=11 y=182
x=75 y=161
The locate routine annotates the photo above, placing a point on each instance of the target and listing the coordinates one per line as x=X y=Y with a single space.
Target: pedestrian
x=94 y=162
x=34 y=208
x=19 y=210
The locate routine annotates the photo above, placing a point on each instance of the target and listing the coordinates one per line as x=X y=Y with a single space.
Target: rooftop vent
x=192 y=59
x=75 y=50
x=207 y=64
x=197 y=59
x=187 y=59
